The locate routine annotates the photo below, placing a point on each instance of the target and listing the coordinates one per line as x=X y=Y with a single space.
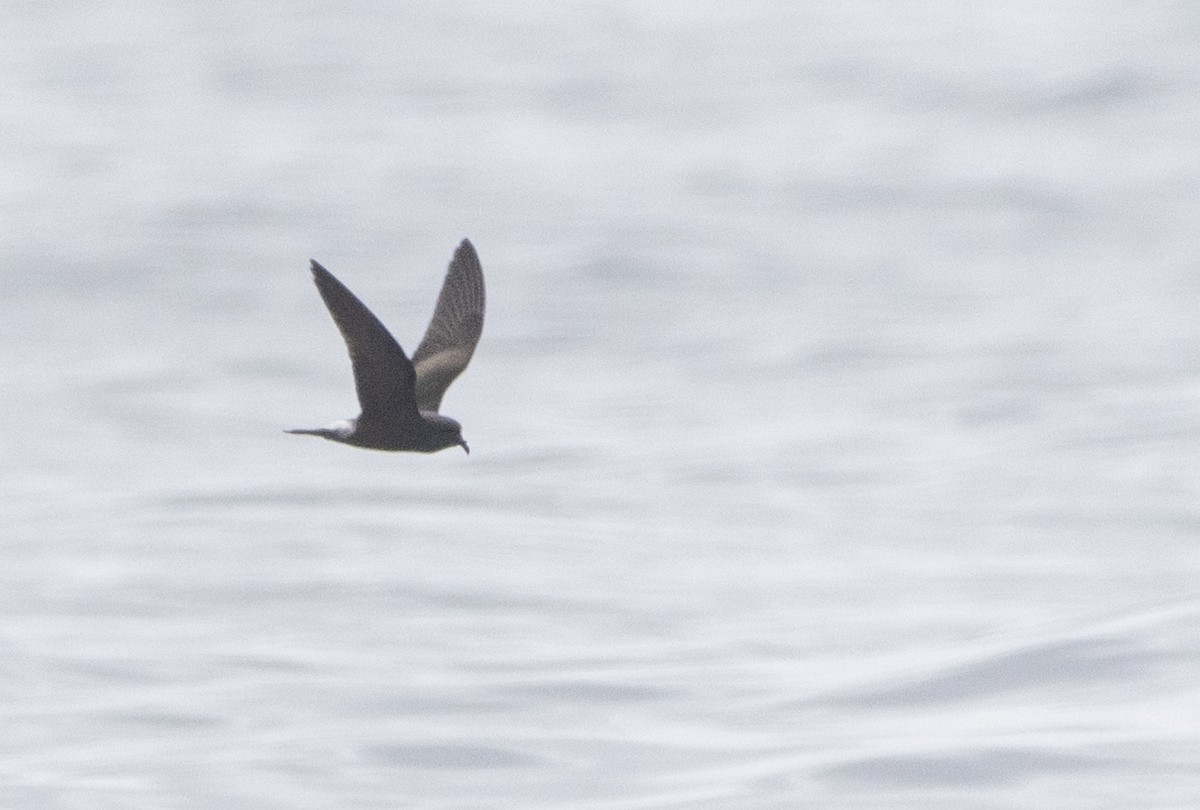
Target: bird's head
x=446 y=432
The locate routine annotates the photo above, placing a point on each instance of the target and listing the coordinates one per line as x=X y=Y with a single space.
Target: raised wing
x=383 y=375
x=457 y=323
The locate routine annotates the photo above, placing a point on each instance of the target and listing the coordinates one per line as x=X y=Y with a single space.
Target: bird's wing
x=457 y=323
x=383 y=375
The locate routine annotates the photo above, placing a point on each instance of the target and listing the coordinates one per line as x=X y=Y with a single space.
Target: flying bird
x=399 y=397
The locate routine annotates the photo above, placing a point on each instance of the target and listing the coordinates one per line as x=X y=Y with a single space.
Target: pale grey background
x=834 y=427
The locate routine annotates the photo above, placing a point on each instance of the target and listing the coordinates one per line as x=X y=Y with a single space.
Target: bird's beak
x=464 y=446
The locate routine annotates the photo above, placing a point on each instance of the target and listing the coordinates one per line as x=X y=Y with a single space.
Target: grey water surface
x=834 y=428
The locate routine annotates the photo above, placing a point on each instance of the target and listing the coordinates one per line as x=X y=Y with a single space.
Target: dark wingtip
x=316 y=267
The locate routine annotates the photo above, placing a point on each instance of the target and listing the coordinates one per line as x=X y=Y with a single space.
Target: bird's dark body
x=436 y=432
x=400 y=397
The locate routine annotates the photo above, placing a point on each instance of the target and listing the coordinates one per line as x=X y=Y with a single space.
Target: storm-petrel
x=400 y=398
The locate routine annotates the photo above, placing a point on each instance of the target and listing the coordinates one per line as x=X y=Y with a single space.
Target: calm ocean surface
x=834 y=430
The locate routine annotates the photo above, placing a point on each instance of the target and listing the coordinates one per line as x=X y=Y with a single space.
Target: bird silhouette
x=399 y=397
